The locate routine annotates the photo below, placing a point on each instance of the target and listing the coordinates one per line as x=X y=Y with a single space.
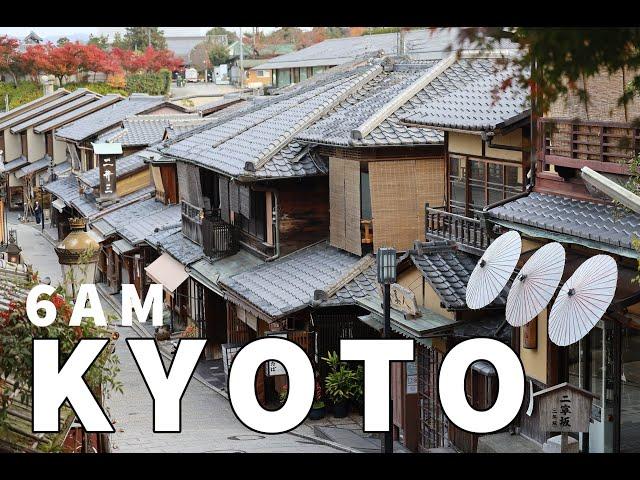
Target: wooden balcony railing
x=468 y=233
x=219 y=239
x=603 y=146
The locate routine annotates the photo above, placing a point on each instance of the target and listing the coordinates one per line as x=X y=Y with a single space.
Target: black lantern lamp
x=387 y=272
x=387 y=266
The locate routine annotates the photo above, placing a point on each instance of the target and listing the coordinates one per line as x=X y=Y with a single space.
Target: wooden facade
x=303 y=212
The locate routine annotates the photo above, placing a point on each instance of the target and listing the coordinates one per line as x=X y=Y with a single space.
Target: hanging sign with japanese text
x=107 y=177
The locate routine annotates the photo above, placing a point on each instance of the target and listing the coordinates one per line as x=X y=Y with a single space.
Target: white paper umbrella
x=493 y=270
x=582 y=300
x=535 y=284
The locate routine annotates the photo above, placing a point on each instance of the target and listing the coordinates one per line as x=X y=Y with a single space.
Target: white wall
x=12 y=146
x=36 y=146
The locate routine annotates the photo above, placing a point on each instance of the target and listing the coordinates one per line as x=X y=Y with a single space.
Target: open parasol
x=493 y=270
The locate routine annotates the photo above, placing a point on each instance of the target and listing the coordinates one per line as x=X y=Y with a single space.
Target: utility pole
x=241 y=60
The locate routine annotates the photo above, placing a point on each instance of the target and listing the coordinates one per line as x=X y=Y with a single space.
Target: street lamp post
x=387 y=269
x=41 y=181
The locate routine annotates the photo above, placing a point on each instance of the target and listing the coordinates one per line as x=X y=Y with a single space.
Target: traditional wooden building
x=562 y=207
x=80 y=134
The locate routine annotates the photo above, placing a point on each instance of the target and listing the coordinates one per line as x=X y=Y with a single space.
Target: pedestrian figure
x=38 y=212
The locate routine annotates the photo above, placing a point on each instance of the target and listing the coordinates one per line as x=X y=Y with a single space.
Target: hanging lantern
x=78 y=256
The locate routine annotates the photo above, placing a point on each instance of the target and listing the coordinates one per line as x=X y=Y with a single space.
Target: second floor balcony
x=605 y=147
x=469 y=233
x=219 y=239
x=206 y=228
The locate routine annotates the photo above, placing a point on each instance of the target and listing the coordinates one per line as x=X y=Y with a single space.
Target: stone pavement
x=37 y=249
x=208 y=422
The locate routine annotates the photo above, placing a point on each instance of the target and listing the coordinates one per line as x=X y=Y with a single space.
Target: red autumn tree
x=64 y=61
x=128 y=60
x=10 y=57
x=94 y=59
x=153 y=60
x=34 y=61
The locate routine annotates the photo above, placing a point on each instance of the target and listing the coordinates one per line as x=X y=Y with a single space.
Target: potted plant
x=318 y=408
x=283 y=393
x=339 y=385
x=358 y=389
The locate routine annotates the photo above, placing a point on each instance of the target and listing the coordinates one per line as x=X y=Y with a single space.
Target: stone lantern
x=78 y=256
x=11 y=249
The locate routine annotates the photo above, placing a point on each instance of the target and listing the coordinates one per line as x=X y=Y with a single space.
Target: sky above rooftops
x=82 y=33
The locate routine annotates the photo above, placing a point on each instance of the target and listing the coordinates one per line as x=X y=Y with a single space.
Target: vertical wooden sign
x=107 y=178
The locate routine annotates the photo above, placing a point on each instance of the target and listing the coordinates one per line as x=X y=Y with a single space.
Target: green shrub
x=152 y=83
x=97 y=87
x=25 y=92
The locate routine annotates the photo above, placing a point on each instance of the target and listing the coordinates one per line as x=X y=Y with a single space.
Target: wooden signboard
x=107 y=178
x=564 y=408
x=402 y=299
x=273 y=369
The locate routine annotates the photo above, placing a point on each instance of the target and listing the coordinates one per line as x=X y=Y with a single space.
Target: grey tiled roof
x=288 y=284
x=419 y=44
x=180 y=248
x=62 y=168
x=252 y=134
x=16 y=163
x=577 y=218
x=335 y=128
x=447 y=270
x=124 y=166
x=480 y=105
x=137 y=221
x=148 y=129
x=209 y=272
x=96 y=122
x=216 y=105
x=363 y=285
x=294 y=160
x=65 y=188
x=157 y=237
x=32 y=104
x=66 y=104
x=79 y=112
x=52 y=102
x=33 y=167
x=87 y=206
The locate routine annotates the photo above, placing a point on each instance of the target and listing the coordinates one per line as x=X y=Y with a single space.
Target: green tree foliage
x=380 y=30
x=62 y=40
x=139 y=38
x=336 y=32
x=101 y=41
x=97 y=87
x=16 y=358
x=153 y=83
x=218 y=55
x=24 y=92
x=563 y=58
x=231 y=36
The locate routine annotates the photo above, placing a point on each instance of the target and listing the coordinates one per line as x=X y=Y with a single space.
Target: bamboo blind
x=223 y=186
x=399 y=191
x=157 y=181
x=189 y=184
x=344 y=194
